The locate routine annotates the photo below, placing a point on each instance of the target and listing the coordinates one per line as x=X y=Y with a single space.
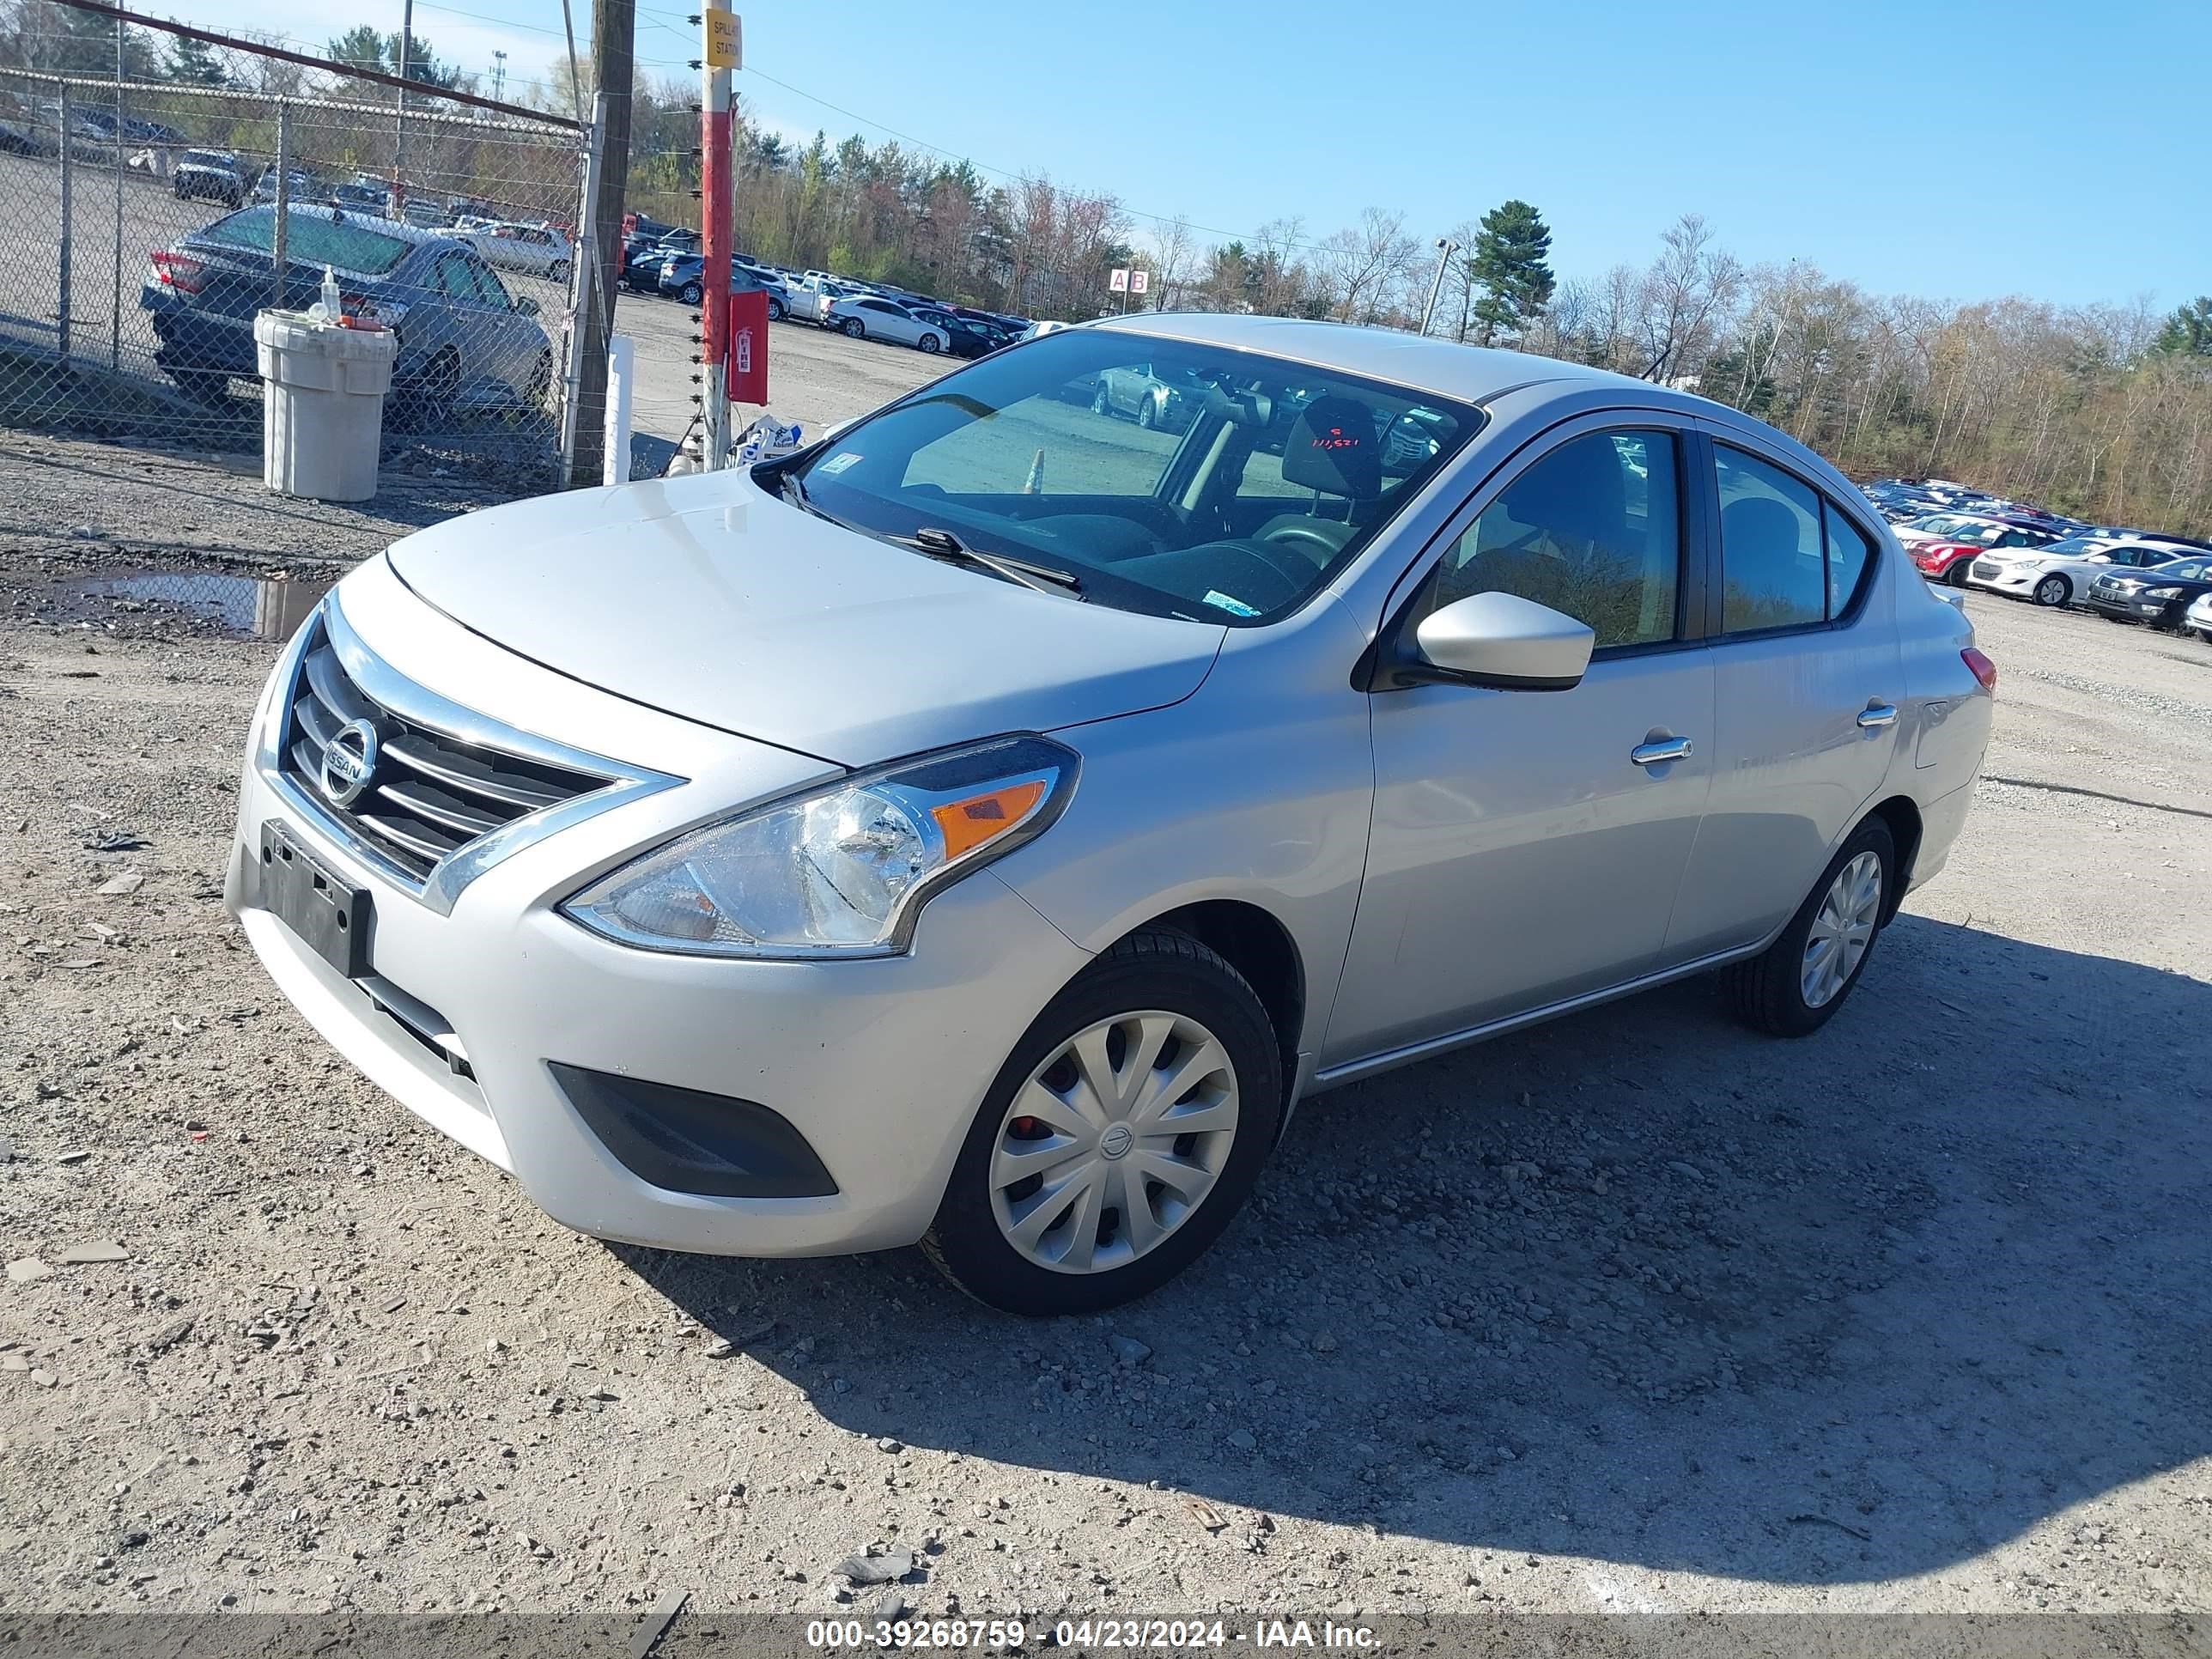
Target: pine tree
x=2189 y=330
x=1508 y=264
x=195 y=62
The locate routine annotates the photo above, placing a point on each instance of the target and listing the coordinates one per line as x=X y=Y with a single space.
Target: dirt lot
x=1634 y=1312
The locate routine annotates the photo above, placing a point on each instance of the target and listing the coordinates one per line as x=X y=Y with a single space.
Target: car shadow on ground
x=1639 y=1286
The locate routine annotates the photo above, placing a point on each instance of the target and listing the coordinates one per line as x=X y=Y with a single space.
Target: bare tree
x=1365 y=264
x=1174 y=252
x=1685 y=296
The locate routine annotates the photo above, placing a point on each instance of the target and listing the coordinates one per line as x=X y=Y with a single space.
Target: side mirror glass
x=1504 y=641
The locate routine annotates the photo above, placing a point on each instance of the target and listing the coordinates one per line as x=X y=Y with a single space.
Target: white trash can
x=322 y=405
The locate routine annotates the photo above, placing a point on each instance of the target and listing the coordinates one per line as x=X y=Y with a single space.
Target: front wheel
x=931 y=344
x=1120 y=1137
x=855 y=329
x=775 y=309
x=692 y=293
x=1795 y=985
x=1148 y=413
x=2052 y=590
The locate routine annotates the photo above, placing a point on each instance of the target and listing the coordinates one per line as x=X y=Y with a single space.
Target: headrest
x=1333 y=447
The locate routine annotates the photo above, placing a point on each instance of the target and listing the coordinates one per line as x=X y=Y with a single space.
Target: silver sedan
x=983 y=828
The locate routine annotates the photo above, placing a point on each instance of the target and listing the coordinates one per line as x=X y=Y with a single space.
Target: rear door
x=1808 y=681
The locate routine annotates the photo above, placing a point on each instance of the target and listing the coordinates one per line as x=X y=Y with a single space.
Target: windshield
x=1940 y=524
x=1173 y=478
x=1982 y=535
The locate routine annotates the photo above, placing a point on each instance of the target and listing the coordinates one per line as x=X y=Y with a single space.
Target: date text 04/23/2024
x=1086 y=1635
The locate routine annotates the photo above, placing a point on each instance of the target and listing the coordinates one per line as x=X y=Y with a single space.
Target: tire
x=1100 y=403
x=853 y=328
x=1158 y=976
x=692 y=293
x=559 y=274
x=541 y=381
x=1148 y=413
x=775 y=312
x=2052 y=591
x=1769 y=992
x=1956 y=575
x=930 y=345
x=202 y=386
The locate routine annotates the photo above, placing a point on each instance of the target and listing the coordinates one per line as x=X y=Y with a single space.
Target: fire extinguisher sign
x=747 y=366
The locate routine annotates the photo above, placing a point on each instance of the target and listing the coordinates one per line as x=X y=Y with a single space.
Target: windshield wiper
x=793 y=490
x=939 y=543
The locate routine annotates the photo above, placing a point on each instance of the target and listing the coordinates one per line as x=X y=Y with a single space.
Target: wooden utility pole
x=598 y=242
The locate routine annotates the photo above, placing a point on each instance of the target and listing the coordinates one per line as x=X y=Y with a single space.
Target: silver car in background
x=982 y=828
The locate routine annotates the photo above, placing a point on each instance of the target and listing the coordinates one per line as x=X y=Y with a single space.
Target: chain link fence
x=160 y=186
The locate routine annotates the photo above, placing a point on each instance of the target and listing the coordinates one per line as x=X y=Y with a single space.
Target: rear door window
x=1773 y=563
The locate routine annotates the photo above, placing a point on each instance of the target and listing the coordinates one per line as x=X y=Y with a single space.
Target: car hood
x=706 y=598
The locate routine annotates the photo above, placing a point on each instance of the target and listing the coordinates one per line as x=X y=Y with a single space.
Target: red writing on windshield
x=1337 y=438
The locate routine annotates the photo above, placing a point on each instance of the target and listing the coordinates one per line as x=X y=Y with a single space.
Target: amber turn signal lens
x=966 y=824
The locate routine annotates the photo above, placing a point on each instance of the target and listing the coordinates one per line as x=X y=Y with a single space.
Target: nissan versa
x=982 y=827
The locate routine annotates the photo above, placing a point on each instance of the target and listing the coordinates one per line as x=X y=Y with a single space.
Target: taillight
x=1981 y=667
x=178 y=271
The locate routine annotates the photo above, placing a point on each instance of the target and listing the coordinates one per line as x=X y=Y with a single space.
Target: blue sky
x=1955 y=148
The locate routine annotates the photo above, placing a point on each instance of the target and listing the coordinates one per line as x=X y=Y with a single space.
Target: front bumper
x=880 y=1065
x=2125 y=606
x=2003 y=578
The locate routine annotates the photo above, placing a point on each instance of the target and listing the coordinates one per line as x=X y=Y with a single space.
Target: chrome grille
x=430 y=794
x=1987 y=569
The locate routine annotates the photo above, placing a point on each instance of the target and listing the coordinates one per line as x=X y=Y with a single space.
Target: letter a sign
x=1118 y=281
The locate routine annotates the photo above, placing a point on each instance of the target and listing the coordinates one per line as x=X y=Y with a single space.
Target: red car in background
x=1944 y=558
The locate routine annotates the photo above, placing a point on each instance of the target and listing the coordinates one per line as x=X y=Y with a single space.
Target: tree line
x=2102 y=410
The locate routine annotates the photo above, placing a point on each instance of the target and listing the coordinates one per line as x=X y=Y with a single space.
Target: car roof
x=1472 y=375
x=397 y=229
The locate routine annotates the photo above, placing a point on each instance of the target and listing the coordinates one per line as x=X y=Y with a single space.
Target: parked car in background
x=301 y=186
x=2061 y=571
x=1123 y=827
x=641 y=259
x=1150 y=394
x=2160 y=595
x=425 y=214
x=210 y=175
x=872 y=317
x=1945 y=557
x=532 y=250
x=361 y=197
x=965 y=338
x=2197 y=619
x=464 y=341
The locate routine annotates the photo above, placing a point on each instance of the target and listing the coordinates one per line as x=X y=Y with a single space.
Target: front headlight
x=2161 y=594
x=842 y=871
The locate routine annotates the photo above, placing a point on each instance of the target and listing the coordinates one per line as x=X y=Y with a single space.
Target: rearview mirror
x=526 y=305
x=1501 y=641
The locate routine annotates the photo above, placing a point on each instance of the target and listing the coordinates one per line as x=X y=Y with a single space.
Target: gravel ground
x=1634 y=1312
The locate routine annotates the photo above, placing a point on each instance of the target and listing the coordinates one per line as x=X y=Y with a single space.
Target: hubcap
x=1843 y=928
x=1114 y=1141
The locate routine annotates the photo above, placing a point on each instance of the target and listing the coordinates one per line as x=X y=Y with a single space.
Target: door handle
x=1667 y=749
x=1877 y=714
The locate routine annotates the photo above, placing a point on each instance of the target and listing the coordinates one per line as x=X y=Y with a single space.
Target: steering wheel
x=1278 y=559
x=1301 y=536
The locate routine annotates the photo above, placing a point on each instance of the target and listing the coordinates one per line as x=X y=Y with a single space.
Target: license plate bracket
x=332 y=918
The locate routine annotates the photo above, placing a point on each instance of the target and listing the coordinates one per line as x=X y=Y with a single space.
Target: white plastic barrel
x=322 y=400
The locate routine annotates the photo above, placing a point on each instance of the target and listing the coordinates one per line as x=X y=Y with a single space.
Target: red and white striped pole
x=720 y=56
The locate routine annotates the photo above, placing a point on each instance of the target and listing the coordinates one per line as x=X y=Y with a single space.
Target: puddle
x=249 y=607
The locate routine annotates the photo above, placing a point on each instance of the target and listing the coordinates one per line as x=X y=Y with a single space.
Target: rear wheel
x=1148 y=413
x=2052 y=590
x=1121 y=1136
x=1957 y=574
x=931 y=344
x=775 y=309
x=202 y=386
x=692 y=293
x=1795 y=985
x=855 y=329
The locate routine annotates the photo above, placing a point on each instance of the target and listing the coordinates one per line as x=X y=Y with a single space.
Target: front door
x=1526 y=846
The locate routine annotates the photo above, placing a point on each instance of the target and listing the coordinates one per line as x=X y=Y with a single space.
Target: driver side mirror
x=1500 y=641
